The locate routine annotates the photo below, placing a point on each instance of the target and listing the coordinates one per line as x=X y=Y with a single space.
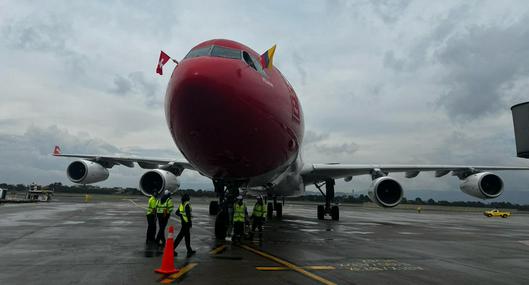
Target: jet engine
x=385 y=191
x=86 y=172
x=484 y=185
x=158 y=180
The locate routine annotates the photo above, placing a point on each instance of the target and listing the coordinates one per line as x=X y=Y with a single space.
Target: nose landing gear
x=278 y=207
x=327 y=209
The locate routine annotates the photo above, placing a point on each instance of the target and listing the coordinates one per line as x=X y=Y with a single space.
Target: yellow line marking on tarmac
x=289 y=265
x=278 y=268
x=217 y=249
x=171 y=278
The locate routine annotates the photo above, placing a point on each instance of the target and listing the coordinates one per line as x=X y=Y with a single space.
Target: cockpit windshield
x=198 y=52
x=216 y=51
x=225 y=52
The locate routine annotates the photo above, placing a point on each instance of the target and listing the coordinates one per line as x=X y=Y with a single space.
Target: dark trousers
x=151 y=228
x=257 y=223
x=238 y=230
x=162 y=223
x=185 y=231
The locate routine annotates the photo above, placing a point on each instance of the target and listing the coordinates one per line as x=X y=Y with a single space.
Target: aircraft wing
x=110 y=161
x=319 y=172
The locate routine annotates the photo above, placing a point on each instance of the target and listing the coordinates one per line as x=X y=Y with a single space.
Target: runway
x=69 y=241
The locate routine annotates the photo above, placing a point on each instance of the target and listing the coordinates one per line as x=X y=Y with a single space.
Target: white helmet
x=239 y=197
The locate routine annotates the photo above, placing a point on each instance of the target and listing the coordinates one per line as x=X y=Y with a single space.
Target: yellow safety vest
x=259 y=210
x=238 y=212
x=182 y=210
x=151 y=206
x=165 y=208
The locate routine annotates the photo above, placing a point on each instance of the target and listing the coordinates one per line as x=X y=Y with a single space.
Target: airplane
x=239 y=122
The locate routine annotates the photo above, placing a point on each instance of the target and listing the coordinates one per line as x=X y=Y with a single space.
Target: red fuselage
x=231 y=119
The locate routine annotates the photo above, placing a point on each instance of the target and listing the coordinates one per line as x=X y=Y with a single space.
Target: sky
x=398 y=82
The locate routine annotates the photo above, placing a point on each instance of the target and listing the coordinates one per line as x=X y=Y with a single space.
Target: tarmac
x=69 y=241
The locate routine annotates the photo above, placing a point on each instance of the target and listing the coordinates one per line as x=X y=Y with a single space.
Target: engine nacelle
x=386 y=192
x=484 y=185
x=86 y=172
x=155 y=181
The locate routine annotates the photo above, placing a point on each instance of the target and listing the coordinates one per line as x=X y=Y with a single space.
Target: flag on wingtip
x=267 y=57
x=164 y=58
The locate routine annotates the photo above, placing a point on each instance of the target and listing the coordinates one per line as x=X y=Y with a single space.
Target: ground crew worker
x=184 y=212
x=151 y=221
x=164 y=208
x=240 y=215
x=258 y=216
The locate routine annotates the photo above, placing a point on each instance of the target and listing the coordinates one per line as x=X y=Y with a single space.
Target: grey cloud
x=390 y=10
x=480 y=62
x=336 y=149
x=312 y=137
x=46 y=33
x=136 y=83
x=299 y=64
x=419 y=55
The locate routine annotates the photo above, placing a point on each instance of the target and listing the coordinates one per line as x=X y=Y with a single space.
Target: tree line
x=356 y=199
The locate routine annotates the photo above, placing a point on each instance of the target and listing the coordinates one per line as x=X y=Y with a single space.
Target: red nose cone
x=227 y=121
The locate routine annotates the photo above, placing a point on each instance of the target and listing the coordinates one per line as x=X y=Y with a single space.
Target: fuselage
x=230 y=118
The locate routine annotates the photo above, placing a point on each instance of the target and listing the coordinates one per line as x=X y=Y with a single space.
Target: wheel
x=504 y=216
x=221 y=225
x=279 y=210
x=213 y=208
x=269 y=210
x=321 y=212
x=489 y=215
x=335 y=213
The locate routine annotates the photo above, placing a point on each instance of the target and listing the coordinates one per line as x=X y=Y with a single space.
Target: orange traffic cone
x=168 y=256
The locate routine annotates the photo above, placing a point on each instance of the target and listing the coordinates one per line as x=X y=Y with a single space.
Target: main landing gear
x=327 y=209
x=278 y=207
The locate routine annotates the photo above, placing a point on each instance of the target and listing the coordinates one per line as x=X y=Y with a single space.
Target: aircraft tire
x=279 y=210
x=213 y=208
x=221 y=225
x=269 y=210
x=321 y=212
x=335 y=213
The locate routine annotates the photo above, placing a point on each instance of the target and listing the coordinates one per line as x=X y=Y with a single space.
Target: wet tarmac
x=69 y=241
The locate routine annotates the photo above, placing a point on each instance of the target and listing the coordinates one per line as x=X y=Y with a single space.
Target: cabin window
x=225 y=52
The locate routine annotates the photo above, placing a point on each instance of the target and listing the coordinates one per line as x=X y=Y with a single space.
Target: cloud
x=136 y=83
x=481 y=62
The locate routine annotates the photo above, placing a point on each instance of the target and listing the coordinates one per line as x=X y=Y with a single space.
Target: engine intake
x=157 y=180
x=386 y=192
x=484 y=185
x=86 y=172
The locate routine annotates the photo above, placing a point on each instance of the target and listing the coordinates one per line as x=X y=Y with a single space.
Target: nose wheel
x=274 y=206
x=328 y=209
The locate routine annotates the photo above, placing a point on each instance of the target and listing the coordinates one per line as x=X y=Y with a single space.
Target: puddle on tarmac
x=73 y=222
x=301 y=222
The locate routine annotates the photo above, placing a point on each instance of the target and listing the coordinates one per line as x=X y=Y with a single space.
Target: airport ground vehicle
x=497 y=213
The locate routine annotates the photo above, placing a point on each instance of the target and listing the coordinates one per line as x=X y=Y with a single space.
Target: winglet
x=57 y=150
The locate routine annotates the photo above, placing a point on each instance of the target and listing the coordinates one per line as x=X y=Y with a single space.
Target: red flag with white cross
x=164 y=58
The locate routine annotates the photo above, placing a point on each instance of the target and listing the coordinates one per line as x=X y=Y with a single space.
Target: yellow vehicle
x=497 y=213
